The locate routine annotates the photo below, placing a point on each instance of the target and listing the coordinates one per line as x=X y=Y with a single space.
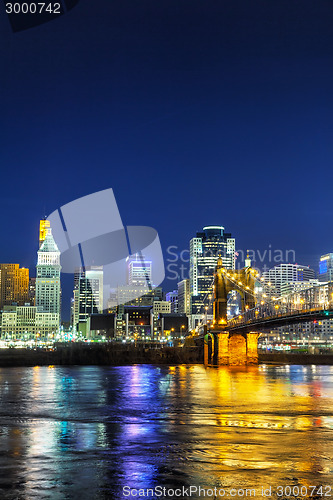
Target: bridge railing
x=278 y=310
x=313 y=299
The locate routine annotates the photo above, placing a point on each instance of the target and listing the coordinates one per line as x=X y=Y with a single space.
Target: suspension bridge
x=234 y=341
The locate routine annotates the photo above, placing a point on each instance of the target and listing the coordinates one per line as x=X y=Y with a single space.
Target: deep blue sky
x=195 y=112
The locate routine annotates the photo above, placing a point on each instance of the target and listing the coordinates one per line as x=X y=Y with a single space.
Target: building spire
x=247 y=260
x=48 y=245
x=44 y=225
x=219 y=262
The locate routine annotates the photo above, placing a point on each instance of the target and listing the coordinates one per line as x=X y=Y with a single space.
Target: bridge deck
x=279 y=320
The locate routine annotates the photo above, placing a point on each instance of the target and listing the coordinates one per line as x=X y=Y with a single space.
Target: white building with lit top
x=48 y=291
x=43 y=319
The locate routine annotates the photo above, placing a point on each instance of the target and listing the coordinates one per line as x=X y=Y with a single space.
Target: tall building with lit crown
x=139 y=289
x=41 y=320
x=139 y=271
x=14 y=285
x=205 y=250
x=48 y=292
x=44 y=225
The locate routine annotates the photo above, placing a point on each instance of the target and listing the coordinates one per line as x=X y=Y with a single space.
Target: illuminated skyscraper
x=14 y=285
x=43 y=227
x=205 y=249
x=140 y=289
x=326 y=267
x=48 y=276
x=88 y=296
x=172 y=297
x=285 y=273
x=184 y=297
x=139 y=271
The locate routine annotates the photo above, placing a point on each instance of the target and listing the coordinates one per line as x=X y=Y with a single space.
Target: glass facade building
x=205 y=249
x=326 y=267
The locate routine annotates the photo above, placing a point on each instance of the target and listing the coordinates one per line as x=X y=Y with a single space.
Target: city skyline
x=140 y=310
x=145 y=267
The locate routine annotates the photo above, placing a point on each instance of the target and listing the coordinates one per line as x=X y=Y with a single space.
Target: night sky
x=194 y=112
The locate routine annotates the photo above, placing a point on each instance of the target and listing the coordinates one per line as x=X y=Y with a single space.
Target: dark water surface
x=87 y=432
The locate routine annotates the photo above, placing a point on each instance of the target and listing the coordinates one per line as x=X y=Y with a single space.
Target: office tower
x=184 y=297
x=298 y=286
x=161 y=306
x=326 y=267
x=48 y=276
x=140 y=290
x=14 y=285
x=172 y=297
x=205 y=249
x=138 y=296
x=88 y=295
x=44 y=225
x=283 y=274
x=28 y=321
x=139 y=271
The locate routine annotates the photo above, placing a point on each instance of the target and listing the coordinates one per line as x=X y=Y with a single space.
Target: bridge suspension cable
x=261 y=281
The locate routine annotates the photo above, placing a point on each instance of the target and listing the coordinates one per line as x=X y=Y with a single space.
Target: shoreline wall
x=126 y=354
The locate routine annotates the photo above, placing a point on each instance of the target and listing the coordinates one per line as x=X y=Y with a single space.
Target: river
x=115 y=432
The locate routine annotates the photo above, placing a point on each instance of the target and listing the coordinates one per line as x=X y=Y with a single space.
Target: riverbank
x=98 y=354
x=113 y=354
x=295 y=359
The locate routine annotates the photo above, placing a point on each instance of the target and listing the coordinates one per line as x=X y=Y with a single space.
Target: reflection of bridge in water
x=234 y=341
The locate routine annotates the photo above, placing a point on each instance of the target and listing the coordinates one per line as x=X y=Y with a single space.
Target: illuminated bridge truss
x=315 y=303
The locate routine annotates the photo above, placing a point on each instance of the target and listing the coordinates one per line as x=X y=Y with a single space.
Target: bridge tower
x=222 y=347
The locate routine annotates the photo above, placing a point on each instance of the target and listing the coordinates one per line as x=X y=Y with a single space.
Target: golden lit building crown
x=43 y=227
